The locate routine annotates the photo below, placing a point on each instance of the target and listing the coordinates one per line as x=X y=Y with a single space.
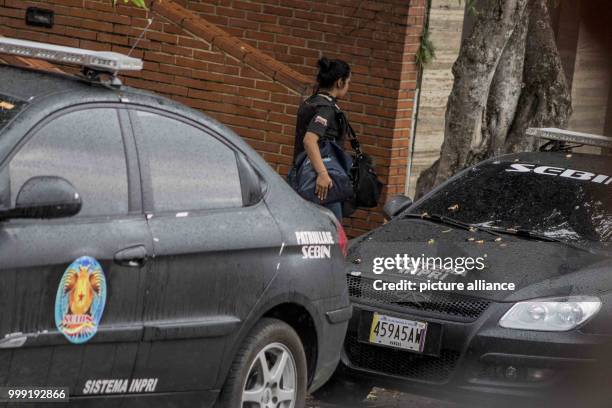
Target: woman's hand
x=324 y=184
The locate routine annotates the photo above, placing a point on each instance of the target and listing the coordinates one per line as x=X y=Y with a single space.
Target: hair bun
x=324 y=64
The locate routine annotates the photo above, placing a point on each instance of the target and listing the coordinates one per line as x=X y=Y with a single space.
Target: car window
x=84 y=147
x=189 y=169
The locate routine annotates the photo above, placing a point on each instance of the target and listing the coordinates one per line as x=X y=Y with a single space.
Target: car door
x=216 y=247
x=70 y=298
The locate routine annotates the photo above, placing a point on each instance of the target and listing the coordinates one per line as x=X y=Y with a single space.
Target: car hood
x=537 y=268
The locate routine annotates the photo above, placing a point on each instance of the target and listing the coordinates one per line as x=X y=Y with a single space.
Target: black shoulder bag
x=366 y=185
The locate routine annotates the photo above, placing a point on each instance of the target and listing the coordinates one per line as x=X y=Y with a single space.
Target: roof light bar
x=100 y=61
x=569 y=136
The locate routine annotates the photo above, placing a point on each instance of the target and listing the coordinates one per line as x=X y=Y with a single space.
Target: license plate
x=398 y=333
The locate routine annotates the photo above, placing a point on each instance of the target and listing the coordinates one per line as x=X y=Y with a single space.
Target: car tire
x=271 y=342
x=343 y=392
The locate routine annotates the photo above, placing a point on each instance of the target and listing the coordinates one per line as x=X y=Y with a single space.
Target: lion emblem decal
x=80 y=300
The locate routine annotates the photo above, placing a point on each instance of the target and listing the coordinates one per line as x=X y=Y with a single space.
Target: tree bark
x=545 y=100
x=508 y=77
x=504 y=94
x=473 y=72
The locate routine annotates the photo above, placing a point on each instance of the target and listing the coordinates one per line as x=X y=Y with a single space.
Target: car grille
x=440 y=303
x=400 y=363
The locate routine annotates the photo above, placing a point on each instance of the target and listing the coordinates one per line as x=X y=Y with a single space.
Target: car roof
x=28 y=84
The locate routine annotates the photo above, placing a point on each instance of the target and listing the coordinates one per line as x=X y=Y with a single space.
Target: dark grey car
x=149 y=256
x=511 y=264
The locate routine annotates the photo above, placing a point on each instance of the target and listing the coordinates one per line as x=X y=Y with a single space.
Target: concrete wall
x=445 y=27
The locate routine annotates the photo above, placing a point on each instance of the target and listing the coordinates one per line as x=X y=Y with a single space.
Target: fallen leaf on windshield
x=6 y=105
x=453 y=207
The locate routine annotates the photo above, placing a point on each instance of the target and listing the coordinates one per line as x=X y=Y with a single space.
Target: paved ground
x=381 y=398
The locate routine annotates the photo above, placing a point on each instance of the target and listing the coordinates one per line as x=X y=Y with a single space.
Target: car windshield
x=9 y=108
x=573 y=206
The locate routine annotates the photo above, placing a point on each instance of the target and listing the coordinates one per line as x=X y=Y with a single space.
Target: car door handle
x=133 y=256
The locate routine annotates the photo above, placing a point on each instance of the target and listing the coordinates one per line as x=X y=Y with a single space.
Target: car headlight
x=554 y=314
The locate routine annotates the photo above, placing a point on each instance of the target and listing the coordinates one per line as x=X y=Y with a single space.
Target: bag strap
x=352 y=135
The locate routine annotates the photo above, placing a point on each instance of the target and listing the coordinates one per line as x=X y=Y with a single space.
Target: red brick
x=172 y=49
x=174 y=70
x=254 y=93
x=112 y=39
x=292 y=22
x=202 y=7
x=96 y=46
x=237 y=22
x=245 y=5
x=274 y=28
x=279 y=11
x=192 y=43
x=262 y=18
x=208 y=76
x=158 y=57
x=311 y=35
x=311 y=15
x=131 y=11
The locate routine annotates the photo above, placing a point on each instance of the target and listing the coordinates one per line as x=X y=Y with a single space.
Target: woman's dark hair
x=331 y=70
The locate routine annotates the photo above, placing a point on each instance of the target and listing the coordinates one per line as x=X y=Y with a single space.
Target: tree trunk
x=508 y=77
x=504 y=94
x=545 y=100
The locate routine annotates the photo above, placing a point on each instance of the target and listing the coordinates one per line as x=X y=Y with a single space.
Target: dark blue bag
x=303 y=177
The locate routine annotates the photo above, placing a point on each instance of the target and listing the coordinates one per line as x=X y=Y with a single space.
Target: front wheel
x=269 y=370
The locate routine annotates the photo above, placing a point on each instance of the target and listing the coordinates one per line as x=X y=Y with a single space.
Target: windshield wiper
x=521 y=232
x=497 y=231
x=442 y=219
x=527 y=234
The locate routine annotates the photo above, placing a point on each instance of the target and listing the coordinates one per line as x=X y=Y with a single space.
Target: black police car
x=149 y=256
x=532 y=319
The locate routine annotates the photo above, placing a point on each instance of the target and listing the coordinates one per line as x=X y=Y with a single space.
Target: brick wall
x=249 y=63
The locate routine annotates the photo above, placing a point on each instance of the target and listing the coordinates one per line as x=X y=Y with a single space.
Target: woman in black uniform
x=333 y=82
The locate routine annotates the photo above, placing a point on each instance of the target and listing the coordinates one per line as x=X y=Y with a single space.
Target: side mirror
x=396 y=205
x=46 y=197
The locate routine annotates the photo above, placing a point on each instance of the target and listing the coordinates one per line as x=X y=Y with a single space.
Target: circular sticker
x=80 y=300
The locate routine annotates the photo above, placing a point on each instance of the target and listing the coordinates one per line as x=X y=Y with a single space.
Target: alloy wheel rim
x=272 y=379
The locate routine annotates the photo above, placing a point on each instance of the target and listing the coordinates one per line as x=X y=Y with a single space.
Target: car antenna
x=149 y=22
